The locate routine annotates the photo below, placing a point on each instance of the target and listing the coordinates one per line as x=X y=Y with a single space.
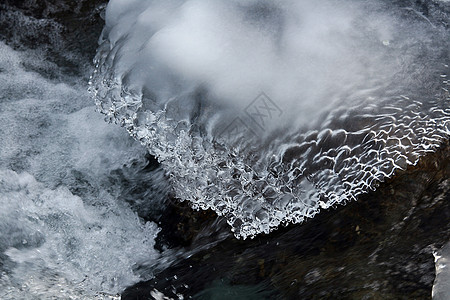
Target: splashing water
x=441 y=287
x=359 y=90
x=64 y=230
x=62 y=246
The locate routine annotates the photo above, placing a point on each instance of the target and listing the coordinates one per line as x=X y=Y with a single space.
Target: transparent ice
x=363 y=87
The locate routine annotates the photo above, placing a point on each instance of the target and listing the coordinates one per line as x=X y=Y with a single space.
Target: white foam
x=297 y=52
x=53 y=243
x=61 y=247
x=441 y=286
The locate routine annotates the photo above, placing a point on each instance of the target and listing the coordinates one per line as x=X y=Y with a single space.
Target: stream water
x=265 y=113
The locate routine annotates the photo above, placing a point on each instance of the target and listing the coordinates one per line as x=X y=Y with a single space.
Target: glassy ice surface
x=268 y=112
x=65 y=231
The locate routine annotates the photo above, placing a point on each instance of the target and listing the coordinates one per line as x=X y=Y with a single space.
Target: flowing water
x=264 y=112
x=65 y=229
x=343 y=94
x=63 y=223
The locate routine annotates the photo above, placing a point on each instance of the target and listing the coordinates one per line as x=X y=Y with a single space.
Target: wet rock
x=64 y=33
x=181 y=226
x=377 y=248
x=380 y=247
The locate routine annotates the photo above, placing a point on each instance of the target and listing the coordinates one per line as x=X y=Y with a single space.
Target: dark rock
x=377 y=248
x=380 y=247
x=64 y=33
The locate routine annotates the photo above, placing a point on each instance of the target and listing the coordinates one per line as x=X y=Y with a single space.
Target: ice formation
x=267 y=112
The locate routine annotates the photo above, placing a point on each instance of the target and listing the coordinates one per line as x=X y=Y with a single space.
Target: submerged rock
x=63 y=33
x=380 y=247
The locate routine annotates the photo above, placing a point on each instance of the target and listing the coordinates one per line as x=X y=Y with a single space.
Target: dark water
x=380 y=247
x=87 y=213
